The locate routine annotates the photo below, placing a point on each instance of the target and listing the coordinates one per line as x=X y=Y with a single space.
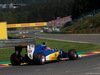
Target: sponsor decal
x=25 y=24
x=54 y=56
x=29 y=47
x=39 y=24
x=29 y=55
x=11 y=26
x=29 y=51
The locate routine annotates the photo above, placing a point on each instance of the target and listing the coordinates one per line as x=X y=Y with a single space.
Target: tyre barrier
x=14 y=42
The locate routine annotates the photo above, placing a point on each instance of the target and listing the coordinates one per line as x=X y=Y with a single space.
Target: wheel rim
x=43 y=59
x=75 y=55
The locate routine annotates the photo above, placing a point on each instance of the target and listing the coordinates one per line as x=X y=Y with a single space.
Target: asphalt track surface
x=93 y=38
x=85 y=66
x=89 y=65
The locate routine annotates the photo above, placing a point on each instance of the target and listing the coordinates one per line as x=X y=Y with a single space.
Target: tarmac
x=87 y=65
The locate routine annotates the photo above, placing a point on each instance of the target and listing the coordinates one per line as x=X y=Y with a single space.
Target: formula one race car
x=40 y=54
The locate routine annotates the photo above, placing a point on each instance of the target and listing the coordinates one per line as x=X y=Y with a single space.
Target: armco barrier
x=14 y=42
x=22 y=31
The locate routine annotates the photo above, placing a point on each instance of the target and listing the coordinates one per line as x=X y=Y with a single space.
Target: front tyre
x=72 y=54
x=40 y=58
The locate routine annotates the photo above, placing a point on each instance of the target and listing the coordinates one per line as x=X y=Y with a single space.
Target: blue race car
x=40 y=54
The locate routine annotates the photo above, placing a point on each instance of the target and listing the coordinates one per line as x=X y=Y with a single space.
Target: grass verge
x=6 y=53
x=69 y=45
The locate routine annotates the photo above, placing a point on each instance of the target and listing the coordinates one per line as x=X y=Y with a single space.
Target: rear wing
x=30 y=50
x=19 y=48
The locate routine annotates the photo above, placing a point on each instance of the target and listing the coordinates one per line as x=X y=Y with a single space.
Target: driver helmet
x=48 y=47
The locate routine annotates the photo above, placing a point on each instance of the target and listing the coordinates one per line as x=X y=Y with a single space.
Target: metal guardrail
x=14 y=42
x=56 y=32
x=22 y=31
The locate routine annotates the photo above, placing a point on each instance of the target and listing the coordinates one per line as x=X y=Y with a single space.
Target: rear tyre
x=72 y=54
x=14 y=59
x=39 y=58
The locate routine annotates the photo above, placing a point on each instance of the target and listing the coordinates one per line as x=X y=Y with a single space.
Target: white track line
x=64 y=40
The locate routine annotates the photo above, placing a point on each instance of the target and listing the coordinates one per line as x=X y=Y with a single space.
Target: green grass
x=69 y=45
x=6 y=53
x=84 y=24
